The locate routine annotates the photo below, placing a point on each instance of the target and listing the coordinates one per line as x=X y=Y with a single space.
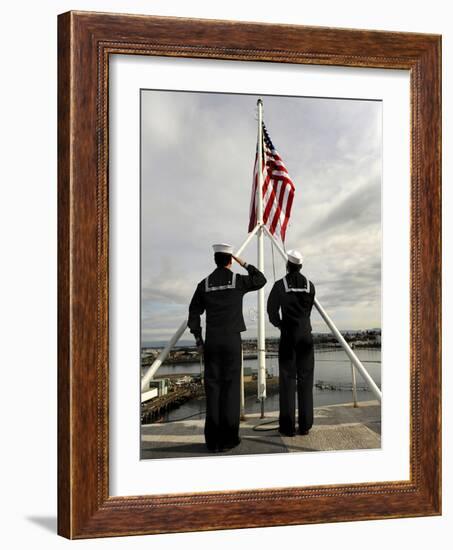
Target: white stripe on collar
x=229 y=286
x=288 y=289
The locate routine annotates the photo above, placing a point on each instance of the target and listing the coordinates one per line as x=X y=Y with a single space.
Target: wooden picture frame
x=85 y=42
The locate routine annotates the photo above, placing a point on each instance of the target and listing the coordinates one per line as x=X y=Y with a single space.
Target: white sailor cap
x=223 y=247
x=295 y=257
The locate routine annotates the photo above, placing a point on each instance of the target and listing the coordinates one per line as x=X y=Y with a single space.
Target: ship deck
x=336 y=427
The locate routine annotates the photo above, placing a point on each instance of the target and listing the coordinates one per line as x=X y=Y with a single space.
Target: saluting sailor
x=220 y=295
x=294 y=295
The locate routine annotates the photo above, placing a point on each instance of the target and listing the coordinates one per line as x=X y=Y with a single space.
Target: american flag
x=278 y=190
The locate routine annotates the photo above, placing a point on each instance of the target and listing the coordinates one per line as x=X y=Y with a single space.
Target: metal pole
x=354 y=386
x=162 y=356
x=261 y=327
x=352 y=356
x=241 y=249
x=238 y=253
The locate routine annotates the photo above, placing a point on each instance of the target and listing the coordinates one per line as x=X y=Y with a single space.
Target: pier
x=154 y=409
x=336 y=427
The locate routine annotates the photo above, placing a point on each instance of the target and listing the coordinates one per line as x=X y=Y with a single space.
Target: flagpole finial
x=259 y=102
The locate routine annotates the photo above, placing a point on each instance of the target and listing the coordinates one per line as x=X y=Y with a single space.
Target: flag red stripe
x=278 y=191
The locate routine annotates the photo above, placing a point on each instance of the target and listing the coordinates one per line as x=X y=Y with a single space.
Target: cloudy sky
x=198 y=153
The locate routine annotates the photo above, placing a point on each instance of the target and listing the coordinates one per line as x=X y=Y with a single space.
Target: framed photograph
x=249 y=275
x=340 y=239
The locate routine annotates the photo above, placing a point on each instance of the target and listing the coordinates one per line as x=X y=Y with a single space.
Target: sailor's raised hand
x=238 y=260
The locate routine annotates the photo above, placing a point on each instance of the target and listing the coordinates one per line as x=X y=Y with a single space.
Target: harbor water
x=332 y=373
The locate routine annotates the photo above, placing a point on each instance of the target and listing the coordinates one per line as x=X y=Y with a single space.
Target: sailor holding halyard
x=294 y=295
x=220 y=295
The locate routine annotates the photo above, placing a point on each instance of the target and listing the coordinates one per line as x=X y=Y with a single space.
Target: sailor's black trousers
x=222 y=378
x=296 y=368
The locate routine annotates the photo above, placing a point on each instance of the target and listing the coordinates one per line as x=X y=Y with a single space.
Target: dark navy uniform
x=220 y=295
x=294 y=295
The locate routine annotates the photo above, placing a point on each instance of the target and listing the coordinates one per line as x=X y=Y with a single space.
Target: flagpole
x=260 y=237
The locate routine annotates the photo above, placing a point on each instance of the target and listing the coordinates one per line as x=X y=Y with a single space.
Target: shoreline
x=188 y=355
